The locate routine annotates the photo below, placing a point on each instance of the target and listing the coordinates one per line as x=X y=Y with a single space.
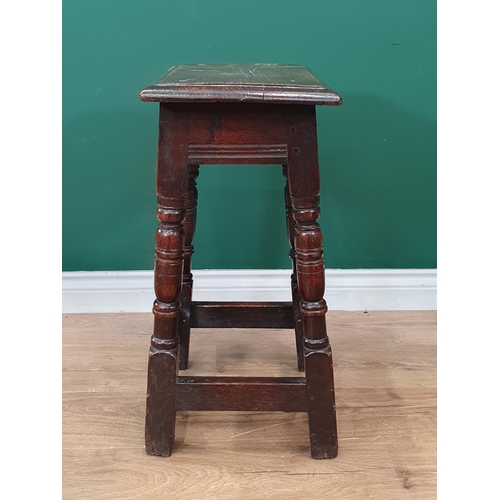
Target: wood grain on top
x=270 y=83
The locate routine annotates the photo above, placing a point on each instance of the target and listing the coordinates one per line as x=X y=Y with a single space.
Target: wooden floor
x=385 y=375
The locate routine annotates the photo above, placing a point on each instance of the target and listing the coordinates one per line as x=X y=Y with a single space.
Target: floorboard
x=385 y=375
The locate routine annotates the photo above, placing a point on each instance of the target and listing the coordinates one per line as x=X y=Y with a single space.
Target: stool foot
x=160 y=401
x=321 y=399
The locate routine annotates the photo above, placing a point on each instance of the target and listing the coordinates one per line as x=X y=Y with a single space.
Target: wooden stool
x=238 y=114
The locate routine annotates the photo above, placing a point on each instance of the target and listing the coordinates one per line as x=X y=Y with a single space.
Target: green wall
x=377 y=151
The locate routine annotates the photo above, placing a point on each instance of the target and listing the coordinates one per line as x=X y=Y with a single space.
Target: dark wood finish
x=303 y=175
x=242 y=315
x=171 y=184
x=238 y=114
x=188 y=226
x=271 y=83
x=297 y=318
x=223 y=133
x=259 y=154
x=240 y=394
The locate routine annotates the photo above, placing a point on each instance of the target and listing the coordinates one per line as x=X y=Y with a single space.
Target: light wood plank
x=385 y=369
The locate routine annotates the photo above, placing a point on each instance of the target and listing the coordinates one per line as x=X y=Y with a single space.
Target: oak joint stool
x=238 y=114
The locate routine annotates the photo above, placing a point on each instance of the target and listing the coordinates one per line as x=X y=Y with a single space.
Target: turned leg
x=163 y=354
x=303 y=174
x=290 y=226
x=189 y=225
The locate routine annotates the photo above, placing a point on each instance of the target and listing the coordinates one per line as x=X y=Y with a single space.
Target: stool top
x=269 y=83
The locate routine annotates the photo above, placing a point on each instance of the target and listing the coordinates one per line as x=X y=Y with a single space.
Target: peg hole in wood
x=296 y=151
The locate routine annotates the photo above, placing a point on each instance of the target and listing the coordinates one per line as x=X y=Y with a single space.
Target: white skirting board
x=346 y=289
